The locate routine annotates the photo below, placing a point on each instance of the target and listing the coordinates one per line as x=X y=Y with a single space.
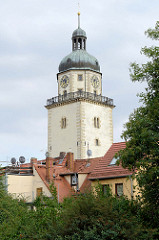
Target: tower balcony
x=80 y=95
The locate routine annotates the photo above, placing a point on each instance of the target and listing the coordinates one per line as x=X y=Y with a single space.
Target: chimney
x=49 y=166
x=70 y=161
x=62 y=155
x=33 y=160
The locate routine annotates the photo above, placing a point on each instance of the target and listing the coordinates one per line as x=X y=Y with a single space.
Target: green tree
x=142 y=130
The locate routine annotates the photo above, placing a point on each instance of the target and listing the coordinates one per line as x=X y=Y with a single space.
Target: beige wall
x=25 y=187
x=37 y=183
x=127 y=187
x=20 y=187
x=81 y=178
x=68 y=178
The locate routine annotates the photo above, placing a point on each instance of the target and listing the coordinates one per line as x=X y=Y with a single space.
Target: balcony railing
x=80 y=95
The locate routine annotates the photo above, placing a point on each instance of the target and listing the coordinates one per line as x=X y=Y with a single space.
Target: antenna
x=78 y=15
x=22 y=159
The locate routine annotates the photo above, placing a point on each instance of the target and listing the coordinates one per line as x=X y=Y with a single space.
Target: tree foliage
x=87 y=216
x=142 y=130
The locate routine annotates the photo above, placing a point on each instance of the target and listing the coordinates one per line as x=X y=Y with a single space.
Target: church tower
x=79 y=118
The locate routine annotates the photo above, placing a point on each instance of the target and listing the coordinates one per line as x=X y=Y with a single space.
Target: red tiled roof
x=86 y=165
x=62 y=186
x=103 y=170
x=94 y=168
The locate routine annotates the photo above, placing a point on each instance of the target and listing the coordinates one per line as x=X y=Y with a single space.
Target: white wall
x=79 y=129
x=85 y=84
x=62 y=140
x=89 y=133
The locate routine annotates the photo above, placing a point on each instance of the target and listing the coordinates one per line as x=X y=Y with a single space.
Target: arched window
x=97 y=142
x=74 y=44
x=63 y=122
x=65 y=93
x=79 y=43
x=96 y=122
x=84 y=44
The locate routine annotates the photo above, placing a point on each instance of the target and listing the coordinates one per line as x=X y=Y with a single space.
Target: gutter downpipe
x=131 y=181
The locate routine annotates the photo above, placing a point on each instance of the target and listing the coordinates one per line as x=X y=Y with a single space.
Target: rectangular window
x=80 y=77
x=97 y=124
x=63 y=123
x=105 y=189
x=119 y=189
x=39 y=191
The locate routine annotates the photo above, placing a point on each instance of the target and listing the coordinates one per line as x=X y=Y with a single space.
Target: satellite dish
x=13 y=160
x=22 y=159
x=47 y=154
x=89 y=152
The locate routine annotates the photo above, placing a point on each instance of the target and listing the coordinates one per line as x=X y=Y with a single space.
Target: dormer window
x=113 y=161
x=74 y=180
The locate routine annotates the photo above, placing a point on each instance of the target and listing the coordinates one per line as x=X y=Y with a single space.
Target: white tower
x=79 y=117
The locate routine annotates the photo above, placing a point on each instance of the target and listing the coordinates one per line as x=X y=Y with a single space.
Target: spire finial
x=78 y=15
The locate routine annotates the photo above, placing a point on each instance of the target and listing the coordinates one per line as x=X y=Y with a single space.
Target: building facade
x=79 y=118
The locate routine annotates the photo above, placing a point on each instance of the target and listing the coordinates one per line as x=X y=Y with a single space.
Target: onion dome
x=79 y=58
x=79 y=33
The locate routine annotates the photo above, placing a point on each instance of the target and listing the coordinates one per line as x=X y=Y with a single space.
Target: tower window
x=65 y=93
x=63 y=122
x=96 y=122
x=97 y=142
x=80 y=78
x=79 y=43
x=84 y=43
x=74 y=43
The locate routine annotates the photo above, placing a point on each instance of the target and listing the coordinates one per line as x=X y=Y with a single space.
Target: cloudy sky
x=34 y=37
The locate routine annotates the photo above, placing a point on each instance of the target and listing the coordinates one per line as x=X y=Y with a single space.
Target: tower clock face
x=64 y=81
x=95 y=81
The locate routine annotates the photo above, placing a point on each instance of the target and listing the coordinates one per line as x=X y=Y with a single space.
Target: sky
x=35 y=35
